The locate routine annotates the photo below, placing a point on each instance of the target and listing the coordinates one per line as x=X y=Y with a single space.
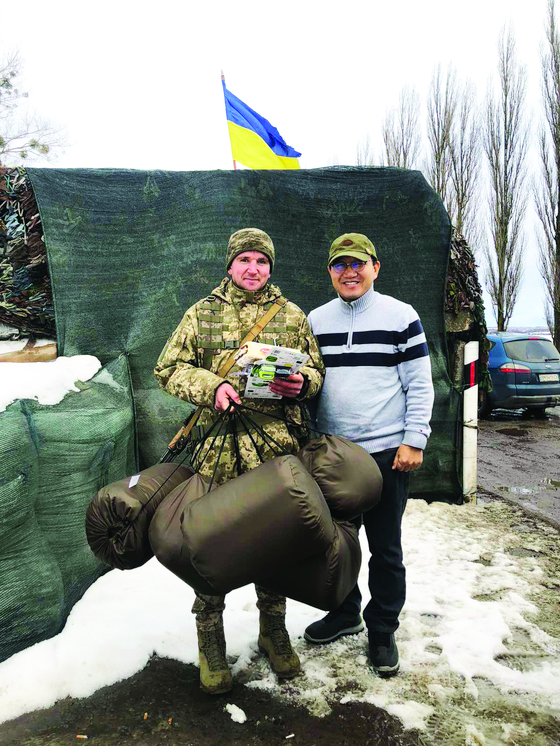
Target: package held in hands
x=261 y=363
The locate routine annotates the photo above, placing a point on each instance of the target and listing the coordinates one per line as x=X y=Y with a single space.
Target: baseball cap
x=355 y=245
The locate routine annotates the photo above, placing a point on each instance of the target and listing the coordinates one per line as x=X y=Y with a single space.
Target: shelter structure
x=127 y=253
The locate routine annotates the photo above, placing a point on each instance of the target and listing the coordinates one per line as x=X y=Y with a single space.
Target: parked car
x=525 y=373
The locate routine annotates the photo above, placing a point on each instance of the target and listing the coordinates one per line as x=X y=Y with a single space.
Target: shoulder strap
x=256 y=330
x=229 y=363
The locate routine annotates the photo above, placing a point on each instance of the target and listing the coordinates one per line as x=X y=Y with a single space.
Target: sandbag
x=242 y=531
x=118 y=506
x=31 y=588
x=347 y=475
x=324 y=580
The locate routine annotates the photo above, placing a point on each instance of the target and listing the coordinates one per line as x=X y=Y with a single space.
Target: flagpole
x=234 y=163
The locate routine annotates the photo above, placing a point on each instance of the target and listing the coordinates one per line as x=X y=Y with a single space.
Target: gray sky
x=137 y=84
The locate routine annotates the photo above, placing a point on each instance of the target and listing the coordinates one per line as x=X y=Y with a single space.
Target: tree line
x=23 y=133
x=465 y=140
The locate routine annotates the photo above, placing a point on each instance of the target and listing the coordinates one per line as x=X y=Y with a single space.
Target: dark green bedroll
x=128 y=253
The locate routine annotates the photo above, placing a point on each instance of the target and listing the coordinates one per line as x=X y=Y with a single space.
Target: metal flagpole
x=234 y=162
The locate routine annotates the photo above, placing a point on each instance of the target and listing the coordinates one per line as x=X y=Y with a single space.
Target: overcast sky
x=137 y=84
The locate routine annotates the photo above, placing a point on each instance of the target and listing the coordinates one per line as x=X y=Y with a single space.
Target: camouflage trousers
x=219 y=457
x=205 y=606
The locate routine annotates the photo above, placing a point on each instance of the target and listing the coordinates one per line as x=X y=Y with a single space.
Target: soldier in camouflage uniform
x=187 y=368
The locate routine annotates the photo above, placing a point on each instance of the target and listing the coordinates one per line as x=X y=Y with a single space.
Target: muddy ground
x=519 y=463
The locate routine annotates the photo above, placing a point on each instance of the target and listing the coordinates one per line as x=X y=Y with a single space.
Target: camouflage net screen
x=130 y=251
x=25 y=290
x=54 y=460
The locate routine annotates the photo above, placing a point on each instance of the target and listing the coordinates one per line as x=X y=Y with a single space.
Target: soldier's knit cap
x=249 y=239
x=355 y=245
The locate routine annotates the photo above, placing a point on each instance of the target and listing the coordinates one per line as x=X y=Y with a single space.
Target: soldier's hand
x=225 y=394
x=289 y=386
x=408 y=458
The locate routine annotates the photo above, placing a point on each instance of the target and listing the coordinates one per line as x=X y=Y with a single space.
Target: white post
x=470 y=421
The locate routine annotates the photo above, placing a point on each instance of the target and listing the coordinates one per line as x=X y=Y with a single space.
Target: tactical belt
x=228 y=365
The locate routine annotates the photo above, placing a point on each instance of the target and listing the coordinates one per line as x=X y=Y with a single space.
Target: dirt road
x=519 y=461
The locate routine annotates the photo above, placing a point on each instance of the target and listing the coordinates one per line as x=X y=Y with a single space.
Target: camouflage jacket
x=207 y=335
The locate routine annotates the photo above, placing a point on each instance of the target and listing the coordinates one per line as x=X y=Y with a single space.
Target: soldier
x=187 y=368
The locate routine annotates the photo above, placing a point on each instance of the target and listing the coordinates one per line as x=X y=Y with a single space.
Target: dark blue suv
x=525 y=372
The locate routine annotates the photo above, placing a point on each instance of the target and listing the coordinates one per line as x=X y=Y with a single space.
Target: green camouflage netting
x=25 y=289
x=54 y=459
x=130 y=251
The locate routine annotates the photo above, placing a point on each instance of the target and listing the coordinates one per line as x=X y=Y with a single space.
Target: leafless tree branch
x=465 y=154
x=505 y=144
x=23 y=134
x=546 y=188
x=401 y=135
x=442 y=104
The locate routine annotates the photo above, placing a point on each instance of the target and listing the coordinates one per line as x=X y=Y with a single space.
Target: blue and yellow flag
x=254 y=141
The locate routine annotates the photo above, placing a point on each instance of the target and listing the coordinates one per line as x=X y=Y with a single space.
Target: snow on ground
x=479 y=638
x=477 y=662
x=48 y=382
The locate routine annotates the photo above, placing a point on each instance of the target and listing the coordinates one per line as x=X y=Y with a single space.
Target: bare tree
x=547 y=189
x=442 y=103
x=23 y=135
x=464 y=154
x=401 y=131
x=505 y=144
x=364 y=152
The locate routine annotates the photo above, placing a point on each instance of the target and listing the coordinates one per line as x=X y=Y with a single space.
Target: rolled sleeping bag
x=245 y=529
x=347 y=475
x=166 y=537
x=324 y=580
x=118 y=517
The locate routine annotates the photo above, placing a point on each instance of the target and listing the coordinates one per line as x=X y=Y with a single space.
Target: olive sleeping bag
x=347 y=475
x=118 y=517
x=243 y=530
x=271 y=526
x=281 y=525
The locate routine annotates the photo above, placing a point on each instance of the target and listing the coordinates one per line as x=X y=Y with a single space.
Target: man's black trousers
x=387 y=581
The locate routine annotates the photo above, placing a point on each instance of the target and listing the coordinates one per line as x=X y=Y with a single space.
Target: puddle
x=551 y=484
x=519 y=490
x=517 y=431
x=522 y=552
x=543 y=485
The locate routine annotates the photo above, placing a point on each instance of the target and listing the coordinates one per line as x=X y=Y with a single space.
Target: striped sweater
x=378 y=386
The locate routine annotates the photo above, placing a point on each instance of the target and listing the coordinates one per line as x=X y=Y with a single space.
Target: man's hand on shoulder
x=289 y=386
x=408 y=458
x=225 y=394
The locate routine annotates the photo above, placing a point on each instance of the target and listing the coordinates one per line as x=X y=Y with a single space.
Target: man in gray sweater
x=377 y=392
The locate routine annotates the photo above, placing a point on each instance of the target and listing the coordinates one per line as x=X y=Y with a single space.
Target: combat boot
x=215 y=676
x=274 y=642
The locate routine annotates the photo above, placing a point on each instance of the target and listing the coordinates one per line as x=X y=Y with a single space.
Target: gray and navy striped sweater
x=378 y=386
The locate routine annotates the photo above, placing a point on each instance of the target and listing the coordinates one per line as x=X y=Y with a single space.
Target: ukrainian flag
x=254 y=141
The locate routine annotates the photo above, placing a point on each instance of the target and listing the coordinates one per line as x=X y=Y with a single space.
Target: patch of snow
x=48 y=382
x=471 y=642
x=237 y=714
x=106 y=378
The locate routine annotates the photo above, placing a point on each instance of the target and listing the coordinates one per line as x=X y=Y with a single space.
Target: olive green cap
x=355 y=245
x=249 y=239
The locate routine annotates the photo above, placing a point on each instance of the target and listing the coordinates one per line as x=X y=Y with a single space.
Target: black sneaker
x=332 y=627
x=383 y=654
